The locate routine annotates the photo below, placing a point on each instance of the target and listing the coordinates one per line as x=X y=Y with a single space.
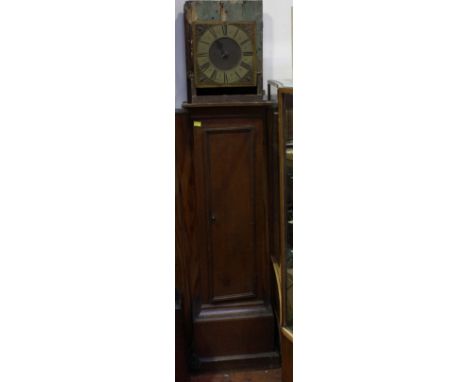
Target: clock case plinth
x=223 y=11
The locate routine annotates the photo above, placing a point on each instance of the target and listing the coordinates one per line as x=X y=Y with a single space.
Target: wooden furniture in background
x=286 y=356
x=283 y=262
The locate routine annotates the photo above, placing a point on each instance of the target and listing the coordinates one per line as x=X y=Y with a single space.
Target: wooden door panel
x=230 y=154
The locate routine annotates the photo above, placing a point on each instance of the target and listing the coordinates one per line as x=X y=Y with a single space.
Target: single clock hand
x=224 y=55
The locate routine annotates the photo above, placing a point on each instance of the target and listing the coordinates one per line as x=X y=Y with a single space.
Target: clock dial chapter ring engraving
x=225 y=54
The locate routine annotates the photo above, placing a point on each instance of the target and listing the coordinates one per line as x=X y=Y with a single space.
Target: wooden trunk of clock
x=233 y=323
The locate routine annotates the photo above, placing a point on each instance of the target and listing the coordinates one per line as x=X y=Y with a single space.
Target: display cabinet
x=282 y=92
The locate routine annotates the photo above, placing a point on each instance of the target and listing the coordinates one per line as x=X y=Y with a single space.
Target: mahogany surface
x=286 y=359
x=181 y=348
x=184 y=213
x=223 y=183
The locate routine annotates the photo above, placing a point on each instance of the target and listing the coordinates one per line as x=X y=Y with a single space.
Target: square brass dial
x=224 y=54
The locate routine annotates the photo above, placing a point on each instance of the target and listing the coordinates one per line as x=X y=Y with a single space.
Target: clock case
x=222 y=208
x=231 y=12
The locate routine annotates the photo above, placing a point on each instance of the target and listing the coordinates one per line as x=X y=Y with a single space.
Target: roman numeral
x=235 y=34
x=238 y=75
x=245 y=41
x=245 y=65
x=226 y=78
x=204 y=42
x=213 y=75
x=213 y=33
x=224 y=26
x=248 y=54
x=205 y=66
x=204 y=55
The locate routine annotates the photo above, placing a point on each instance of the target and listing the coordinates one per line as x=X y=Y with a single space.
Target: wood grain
x=181 y=347
x=186 y=276
x=231 y=185
x=284 y=133
x=233 y=323
x=286 y=357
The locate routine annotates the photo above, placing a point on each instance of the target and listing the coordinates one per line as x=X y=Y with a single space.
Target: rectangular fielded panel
x=232 y=208
x=231 y=154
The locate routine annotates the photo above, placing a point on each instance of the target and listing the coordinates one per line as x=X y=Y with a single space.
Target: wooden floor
x=271 y=375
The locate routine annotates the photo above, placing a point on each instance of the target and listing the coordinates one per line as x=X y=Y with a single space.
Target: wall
x=277 y=50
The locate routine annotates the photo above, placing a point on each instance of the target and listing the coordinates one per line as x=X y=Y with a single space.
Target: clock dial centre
x=225 y=53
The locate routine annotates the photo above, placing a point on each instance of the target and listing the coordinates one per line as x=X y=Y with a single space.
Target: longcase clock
x=227 y=129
